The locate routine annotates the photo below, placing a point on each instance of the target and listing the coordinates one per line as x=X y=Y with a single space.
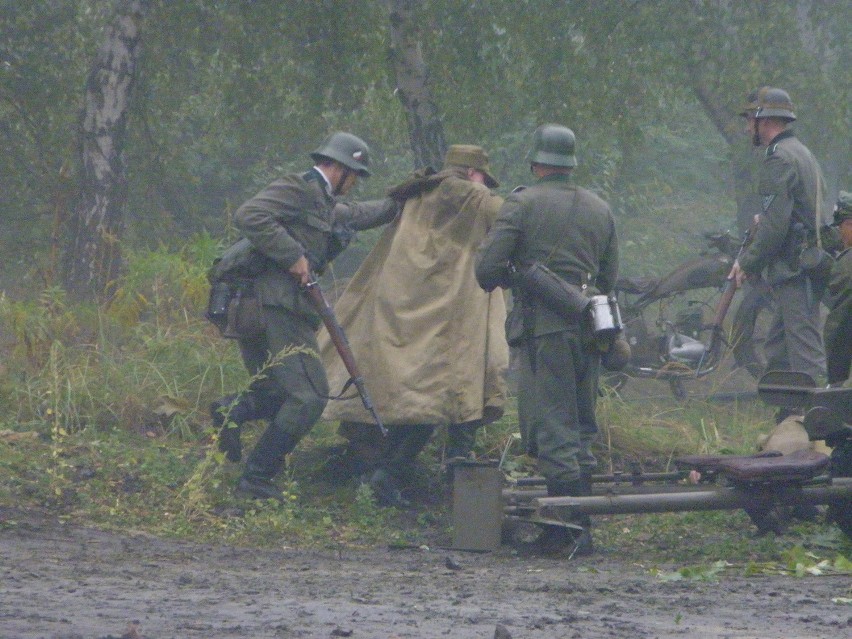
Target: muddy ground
x=68 y=582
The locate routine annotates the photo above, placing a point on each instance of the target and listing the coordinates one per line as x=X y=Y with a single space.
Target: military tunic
x=571 y=231
x=838 y=324
x=790 y=181
x=295 y=215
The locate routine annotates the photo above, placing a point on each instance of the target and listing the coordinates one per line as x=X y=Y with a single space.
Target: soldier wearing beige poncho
x=429 y=341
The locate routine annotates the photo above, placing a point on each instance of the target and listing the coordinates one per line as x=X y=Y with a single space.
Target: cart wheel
x=678 y=388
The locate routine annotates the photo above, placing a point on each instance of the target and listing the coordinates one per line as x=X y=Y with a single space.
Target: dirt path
x=65 y=582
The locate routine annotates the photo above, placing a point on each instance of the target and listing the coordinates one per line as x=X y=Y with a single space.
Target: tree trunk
x=425 y=128
x=744 y=162
x=93 y=250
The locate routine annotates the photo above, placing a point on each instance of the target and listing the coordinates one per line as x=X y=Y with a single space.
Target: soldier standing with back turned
x=572 y=232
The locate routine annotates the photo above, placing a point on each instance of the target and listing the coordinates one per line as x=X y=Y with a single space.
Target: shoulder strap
x=817 y=211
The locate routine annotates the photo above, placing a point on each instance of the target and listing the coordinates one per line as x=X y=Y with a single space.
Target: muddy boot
x=257 y=487
x=363 y=450
x=265 y=462
x=257 y=480
x=572 y=542
x=385 y=489
x=239 y=409
x=460 y=440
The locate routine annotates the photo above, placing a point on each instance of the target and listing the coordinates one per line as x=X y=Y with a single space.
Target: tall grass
x=144 y=361
x=105 y=418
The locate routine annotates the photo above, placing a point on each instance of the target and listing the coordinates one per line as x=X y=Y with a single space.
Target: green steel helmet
x=752 y=101
x=553 y=144
x=350 y=150
x=843 y=210
x=775 y=103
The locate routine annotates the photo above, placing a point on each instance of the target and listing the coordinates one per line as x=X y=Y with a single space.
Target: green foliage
x=232 y=93
x=146 y=361
x=108 y=405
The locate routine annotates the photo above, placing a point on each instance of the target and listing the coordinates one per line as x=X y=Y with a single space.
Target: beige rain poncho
x=428 y=340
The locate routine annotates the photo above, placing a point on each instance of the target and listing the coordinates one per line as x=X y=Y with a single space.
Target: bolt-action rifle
x=728 y=290
x=341 y=343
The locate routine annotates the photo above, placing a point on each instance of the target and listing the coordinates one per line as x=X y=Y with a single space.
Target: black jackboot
x=229 y=413
x=239 y=409
x=559 y=540
x=265 y=462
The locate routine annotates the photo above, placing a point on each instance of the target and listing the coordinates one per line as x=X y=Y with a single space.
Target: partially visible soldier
x=295 y=227
x=791 y=187
x=572 y=232
x=838 y=324
x=755 y=292
x=428 y=339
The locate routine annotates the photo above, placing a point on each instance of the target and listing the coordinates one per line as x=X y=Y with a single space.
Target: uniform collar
x=555 y=177
x=315 y=174
x=786 y=133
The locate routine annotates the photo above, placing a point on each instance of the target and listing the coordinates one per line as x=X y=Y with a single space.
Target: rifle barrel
x=341 y=343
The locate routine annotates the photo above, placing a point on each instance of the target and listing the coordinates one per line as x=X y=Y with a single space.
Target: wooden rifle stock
x=725 y=300
x=341 y=343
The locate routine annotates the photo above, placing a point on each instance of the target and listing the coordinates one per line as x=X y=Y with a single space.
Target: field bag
x=235 y=310
x=814 y=260
x=233 y=306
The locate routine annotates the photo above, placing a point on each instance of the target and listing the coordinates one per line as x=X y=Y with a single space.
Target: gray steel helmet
x=348 y=149
x=553 y=144
x=775 y=103
x=752 y=101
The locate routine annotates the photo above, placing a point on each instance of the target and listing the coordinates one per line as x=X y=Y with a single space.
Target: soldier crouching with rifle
x=292 y=229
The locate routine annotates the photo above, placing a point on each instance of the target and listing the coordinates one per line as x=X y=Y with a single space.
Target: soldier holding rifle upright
x=791 y=189
x=294 y=227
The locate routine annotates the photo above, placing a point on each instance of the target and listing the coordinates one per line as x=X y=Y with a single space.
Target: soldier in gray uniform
x=296 y=226
x=572 y=232
x=791 y=188
x=755 y=292
x=838 y=325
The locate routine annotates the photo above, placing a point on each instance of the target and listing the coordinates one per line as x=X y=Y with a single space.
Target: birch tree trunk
x=425 y=128
x=93 y=250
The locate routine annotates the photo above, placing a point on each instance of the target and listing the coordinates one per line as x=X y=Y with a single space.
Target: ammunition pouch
x=235 y=309
x=542 y=284
x=233 y=306
x=239 y=261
